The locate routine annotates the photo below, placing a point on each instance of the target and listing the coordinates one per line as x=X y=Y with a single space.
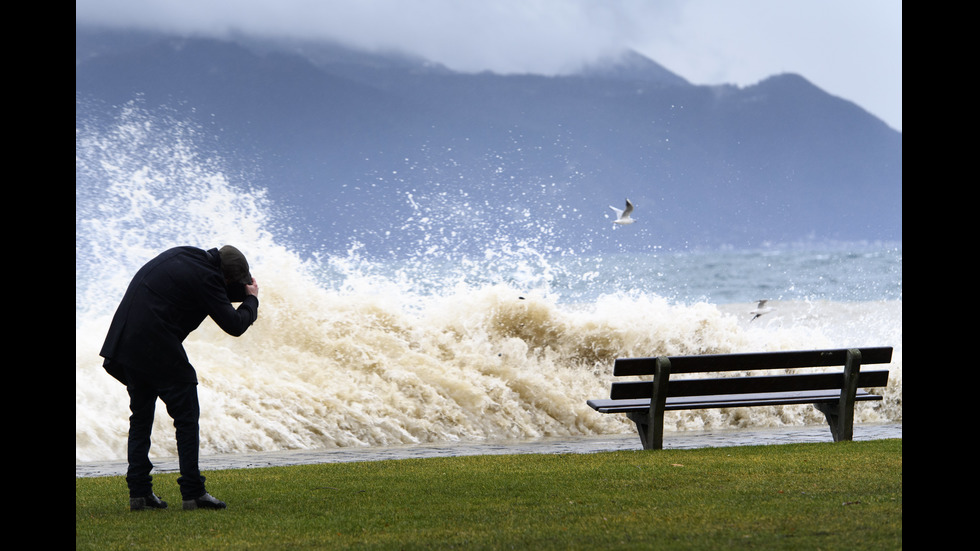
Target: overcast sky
x=849 y=48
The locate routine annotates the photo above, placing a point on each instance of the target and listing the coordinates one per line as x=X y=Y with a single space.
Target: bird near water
x=761 y=309
x=623 y=216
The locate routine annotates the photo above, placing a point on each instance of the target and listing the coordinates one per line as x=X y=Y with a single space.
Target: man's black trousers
x=182 y=405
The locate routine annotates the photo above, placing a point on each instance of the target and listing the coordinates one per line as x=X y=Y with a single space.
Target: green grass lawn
x=845 y=495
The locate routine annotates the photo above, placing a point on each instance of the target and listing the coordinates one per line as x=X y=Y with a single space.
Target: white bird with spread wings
x=623 y=216
x=761 y=309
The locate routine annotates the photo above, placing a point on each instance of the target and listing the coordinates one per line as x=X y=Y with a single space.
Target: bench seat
x=729 y=400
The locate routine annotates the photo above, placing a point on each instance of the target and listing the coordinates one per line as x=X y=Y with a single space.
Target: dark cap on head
x=234 y=265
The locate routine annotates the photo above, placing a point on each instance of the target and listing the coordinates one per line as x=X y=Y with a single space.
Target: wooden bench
x=832 y=393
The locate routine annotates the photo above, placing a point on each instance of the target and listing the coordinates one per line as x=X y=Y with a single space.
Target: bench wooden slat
x=728 y=401
x=742 y=385
x=751 y=361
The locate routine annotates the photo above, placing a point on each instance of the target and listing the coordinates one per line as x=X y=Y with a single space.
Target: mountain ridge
x=328 y=127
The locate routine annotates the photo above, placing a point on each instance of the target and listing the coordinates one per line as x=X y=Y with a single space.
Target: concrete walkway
x=584 y=444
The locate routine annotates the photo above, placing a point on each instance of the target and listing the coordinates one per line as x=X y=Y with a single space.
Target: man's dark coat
x=168 y=298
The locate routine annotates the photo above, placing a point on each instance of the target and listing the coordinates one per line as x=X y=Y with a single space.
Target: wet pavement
x=582 y=444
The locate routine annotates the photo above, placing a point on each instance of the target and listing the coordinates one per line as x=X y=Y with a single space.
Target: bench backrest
x=749 y=362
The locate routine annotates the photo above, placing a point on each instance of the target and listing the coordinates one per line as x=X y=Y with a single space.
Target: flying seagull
x=623 y=216
x=761 y=309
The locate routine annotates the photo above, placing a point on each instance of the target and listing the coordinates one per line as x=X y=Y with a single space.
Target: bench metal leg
x=640 y=419
x=833 y=419
x=840 y=415
x=651 y=435
x=650 y=423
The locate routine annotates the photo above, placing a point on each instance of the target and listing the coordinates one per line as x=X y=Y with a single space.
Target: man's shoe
x=207 y=501
x=149 y=502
